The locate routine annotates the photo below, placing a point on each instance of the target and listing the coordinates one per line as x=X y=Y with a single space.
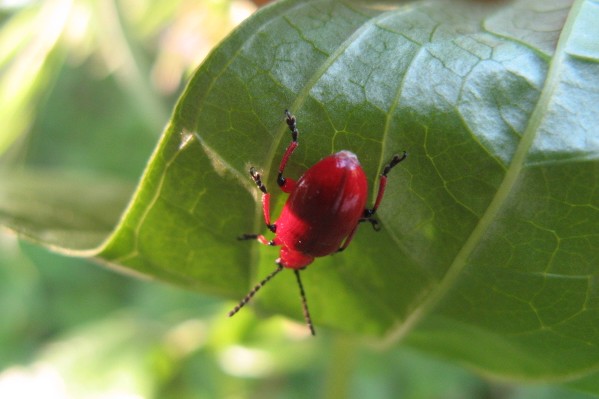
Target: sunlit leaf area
x=127 y=131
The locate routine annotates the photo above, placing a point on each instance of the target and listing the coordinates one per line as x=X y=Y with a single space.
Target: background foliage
x=93 y=103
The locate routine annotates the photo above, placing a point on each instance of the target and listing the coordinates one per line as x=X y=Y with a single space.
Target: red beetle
x=321 y=214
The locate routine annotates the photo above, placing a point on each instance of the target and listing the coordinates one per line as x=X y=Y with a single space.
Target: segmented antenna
x=304 y=302
x=250 y=295
x=254 y=290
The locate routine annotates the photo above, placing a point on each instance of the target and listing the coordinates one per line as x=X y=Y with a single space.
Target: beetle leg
x=265 y=198
x=287 y=185
x=261 y=239
x=348 y=239
x=375 y=223
x=383 y=184
x=371 y=220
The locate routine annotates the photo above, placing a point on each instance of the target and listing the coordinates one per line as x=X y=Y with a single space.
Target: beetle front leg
x=287 y=185
x=260 y=238
x=265 y=198
x=368 y=213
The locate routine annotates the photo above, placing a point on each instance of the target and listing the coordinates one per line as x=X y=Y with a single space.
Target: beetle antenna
x=304 y=302
x=254 y=290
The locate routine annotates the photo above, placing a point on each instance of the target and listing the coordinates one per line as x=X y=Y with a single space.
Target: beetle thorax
x=293 y=259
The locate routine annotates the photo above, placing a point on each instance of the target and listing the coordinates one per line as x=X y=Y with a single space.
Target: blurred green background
x=86 y=87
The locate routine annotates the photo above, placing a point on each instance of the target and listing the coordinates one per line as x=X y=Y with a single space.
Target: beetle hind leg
x=382 y=185
x=375 y=223
x=368 y=215
x=287 y=185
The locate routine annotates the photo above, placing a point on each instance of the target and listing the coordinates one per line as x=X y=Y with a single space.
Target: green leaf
x=488 y=251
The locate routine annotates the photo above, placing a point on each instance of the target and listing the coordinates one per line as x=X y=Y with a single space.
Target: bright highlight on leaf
x=488 y=251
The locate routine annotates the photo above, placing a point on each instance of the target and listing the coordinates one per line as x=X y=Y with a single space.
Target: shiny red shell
x=322 y=210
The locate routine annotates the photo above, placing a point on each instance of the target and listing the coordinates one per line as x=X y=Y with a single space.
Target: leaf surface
x=488 y=252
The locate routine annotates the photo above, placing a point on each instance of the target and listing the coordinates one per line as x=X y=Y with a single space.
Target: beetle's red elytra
x=321 y=215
